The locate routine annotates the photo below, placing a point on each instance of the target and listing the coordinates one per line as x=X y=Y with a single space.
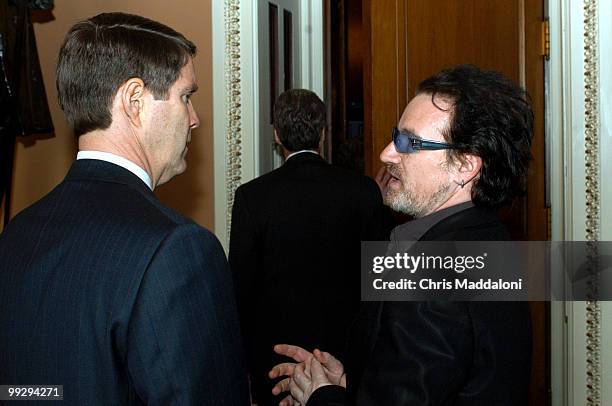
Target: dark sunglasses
x=406 y=143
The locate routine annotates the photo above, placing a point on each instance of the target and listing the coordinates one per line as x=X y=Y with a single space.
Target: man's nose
x=194 y=121
x=389 y=155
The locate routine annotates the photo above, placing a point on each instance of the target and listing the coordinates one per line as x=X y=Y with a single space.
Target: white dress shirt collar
x=118 y=160
x=301 y=152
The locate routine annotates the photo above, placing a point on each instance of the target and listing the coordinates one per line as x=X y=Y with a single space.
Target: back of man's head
x=100 y=54
x=492 y=119
x=299 y=119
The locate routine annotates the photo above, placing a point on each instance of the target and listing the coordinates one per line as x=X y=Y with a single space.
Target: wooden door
x=409 y=40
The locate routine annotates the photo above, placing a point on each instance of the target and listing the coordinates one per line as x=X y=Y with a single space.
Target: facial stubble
x=408 y=201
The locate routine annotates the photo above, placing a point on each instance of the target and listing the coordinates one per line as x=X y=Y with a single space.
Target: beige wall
x=41 y=165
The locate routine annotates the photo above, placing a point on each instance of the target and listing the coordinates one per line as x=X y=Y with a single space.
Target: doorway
x=345 y=77
x=279 y=39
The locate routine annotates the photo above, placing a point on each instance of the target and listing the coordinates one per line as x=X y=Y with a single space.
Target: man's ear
x=468 y=167
x=132 y=99
x=322 y=139
x=276 y=139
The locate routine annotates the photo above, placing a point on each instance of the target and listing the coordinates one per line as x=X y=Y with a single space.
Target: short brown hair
x=299 y=119
x=100 y=54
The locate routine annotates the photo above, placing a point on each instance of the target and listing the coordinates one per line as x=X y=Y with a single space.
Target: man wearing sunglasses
x=460 y=150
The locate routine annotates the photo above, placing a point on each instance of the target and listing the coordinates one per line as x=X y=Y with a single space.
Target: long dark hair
x=491 y=118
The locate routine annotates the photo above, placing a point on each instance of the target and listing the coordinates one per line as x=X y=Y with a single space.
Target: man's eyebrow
x=410 y=133
x=190 y=89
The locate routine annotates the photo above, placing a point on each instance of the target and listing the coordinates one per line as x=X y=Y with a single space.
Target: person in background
x=295 y=236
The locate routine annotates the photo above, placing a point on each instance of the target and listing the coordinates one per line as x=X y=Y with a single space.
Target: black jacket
x=439 y=353
x=295 y=236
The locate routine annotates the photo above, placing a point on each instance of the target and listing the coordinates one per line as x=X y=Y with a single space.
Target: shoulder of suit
x=166 y=223
x=190 y=228
x=341 y=178
x=146 y=211
x=472 y=224
x=264 y=179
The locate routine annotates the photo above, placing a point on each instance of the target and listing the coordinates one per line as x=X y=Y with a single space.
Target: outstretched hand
x=308 y=373
x=307 y=378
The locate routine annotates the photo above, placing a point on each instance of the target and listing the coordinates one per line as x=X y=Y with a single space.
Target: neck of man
x=461 y=195
x=120 y=144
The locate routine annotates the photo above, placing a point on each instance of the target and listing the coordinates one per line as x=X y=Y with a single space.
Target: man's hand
x=382 y=180
x=306 y=379
x=333 y=370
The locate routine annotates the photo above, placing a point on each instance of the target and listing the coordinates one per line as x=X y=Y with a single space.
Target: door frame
x=566 y=108
x=236 y=114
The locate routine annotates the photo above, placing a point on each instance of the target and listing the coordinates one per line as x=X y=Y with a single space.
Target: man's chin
x=398 y=202
x=393 y=199
x=181 y=169
x=171 y=174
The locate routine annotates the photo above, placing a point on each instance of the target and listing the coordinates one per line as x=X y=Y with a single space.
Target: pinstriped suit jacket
x=108 y=292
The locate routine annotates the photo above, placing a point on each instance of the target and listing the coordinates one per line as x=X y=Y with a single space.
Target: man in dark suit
x=461 y=149
x=103 y=289
x=295 y=235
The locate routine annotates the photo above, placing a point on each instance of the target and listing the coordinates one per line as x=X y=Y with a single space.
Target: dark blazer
x=439 y=353
x=294 y=254
x=121 y=300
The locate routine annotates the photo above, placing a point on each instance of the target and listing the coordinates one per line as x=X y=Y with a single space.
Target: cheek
x=410 y=169
x=161 y=124
x=419 y=174
x=185 y=114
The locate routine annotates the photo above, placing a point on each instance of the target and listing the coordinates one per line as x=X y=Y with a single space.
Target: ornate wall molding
x=592 y=195
x=233 y=134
